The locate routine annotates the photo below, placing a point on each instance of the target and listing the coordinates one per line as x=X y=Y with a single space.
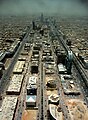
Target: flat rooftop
x=8 y=107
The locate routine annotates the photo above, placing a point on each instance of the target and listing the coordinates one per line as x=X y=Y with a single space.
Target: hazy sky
x=68 y=7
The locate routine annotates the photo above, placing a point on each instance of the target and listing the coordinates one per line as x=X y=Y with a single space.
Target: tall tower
x=42 y=18
x=69 y=60
x=33 y=25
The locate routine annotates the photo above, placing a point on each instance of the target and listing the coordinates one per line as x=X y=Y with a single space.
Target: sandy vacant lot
x=77 y=109
x=29 y=115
